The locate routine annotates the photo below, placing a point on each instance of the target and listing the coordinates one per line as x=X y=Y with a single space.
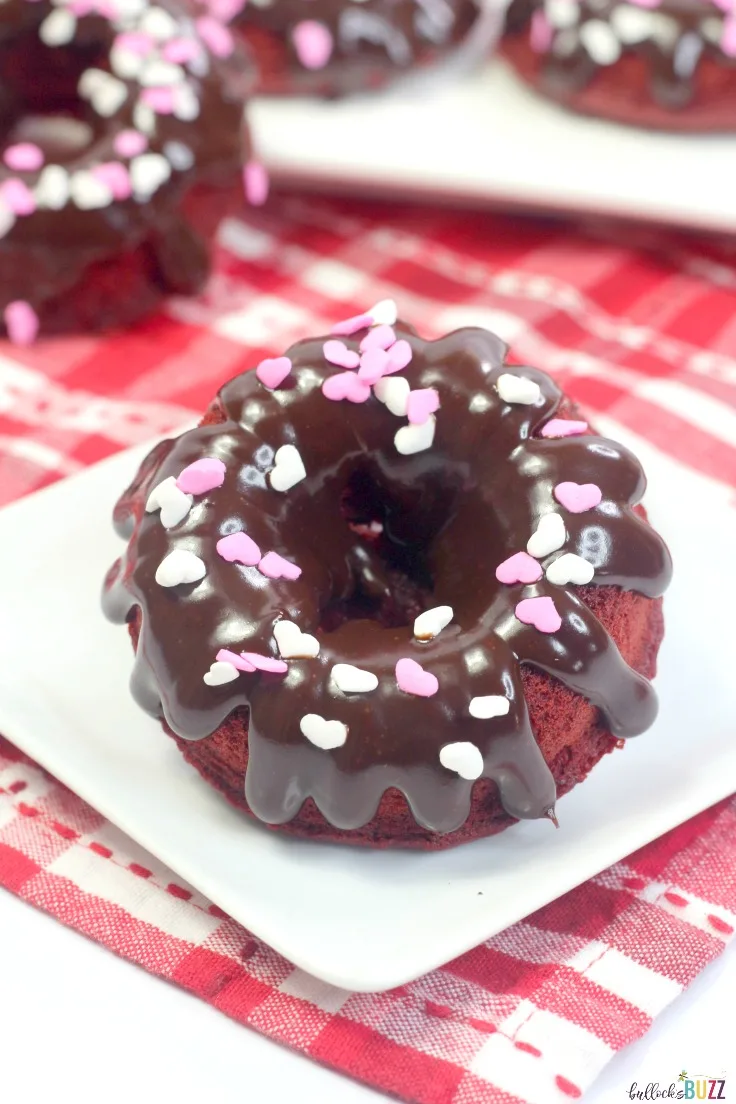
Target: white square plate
x=359 y=919
x=486 y=139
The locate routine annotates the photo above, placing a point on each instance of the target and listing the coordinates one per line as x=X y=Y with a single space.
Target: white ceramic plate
x=484 y=138
x=360 y=919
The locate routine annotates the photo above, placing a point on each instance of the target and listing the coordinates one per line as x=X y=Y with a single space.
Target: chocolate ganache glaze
x=460 y=489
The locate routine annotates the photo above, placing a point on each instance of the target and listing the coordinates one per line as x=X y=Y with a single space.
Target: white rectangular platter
x=483 y=138
x=358 y=919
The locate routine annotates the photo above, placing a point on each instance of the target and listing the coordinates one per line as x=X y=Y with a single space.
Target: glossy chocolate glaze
x=455 y=510
x=682 y=34
x=44 y=253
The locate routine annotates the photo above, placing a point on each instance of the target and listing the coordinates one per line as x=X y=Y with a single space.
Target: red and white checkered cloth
x=642 y=332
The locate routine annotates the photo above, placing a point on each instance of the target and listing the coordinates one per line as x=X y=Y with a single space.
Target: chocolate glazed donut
x=502 y=511
x=121 y=144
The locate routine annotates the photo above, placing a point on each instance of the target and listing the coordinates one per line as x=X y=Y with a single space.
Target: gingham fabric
x=641 y=329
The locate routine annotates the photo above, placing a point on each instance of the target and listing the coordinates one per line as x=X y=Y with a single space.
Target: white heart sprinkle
x=87 y=192
x=293 y=643
x=631 y=24
x=180 y=566
x=562 y=13
x=518 y=389
x=148 y=172
x=159 y=74
x=173 y=503
x=144 y=119
x=179 y=155
x=323 y=734
x=158 y=24
x=186 y=103
x=353 y=680
x=415 y=438
x=126 y=63
x=394 y=392
x=464 y=758
x=384 y=313
x=570 y=568
x=430 y=623
x=52 y=186
x=547 y=537
x=490 y=705
x=106 y=93
x=600 y=42
x=90 y=80
x=57 y=28
x=288 y=468
x=220 y=673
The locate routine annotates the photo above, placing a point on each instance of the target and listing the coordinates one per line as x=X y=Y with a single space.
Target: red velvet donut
x=122 y=145
x=391 y=591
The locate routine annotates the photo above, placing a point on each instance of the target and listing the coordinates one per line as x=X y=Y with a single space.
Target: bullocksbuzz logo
x=686 y=1087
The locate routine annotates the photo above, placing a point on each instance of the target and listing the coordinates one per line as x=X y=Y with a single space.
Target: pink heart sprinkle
x=420 y=404
x=160 y=100
x=129 y=143
x=24 y=157
x=337 y=352
x=539 y=612
x=255 y=183
x=134 y=42
x=540 y=34
x=215 y=35
x=399 y=355
x=21 y=322
x=380 y=337
x=413 y=679
x=274 y=566
x=346 y=385
x=17 y=197
x=265 y=663
x=226 y=656
x=272 y=372
x=203 y=475
x=239 y=548
x=351 y=325
x=225 y=10
x=313 y=44
x=181 y=50
x=519 y=568
x=728 y=38
x=115 y=176
x=578 y=497
x=373 y=364
x=563 y=427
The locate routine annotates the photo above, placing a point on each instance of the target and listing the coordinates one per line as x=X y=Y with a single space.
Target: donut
x=122 y=144
x=334 y=47
x=391 y=591
x=663 y=64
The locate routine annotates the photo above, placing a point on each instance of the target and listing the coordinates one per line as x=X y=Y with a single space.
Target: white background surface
x=78 y=1024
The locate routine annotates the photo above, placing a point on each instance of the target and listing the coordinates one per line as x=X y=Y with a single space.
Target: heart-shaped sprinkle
x=265 y=663
x=539 y=612
x=415 y=438
x=220 y=673
x=114 y=176
x=399 y=355
x=380 y=337
x=373 y=365
x=518 y=389
x=313 y=43
x=563 y=427
x=274 y=566
x=384 y=313
x=394 y=392
x=431 y=623
x=21 y=322
x=578 y=497
x=488 y=706
x=239 y=548
x=293 y=643
x=288 y=468
x=216 y=36
x=346 y=385
x=273 y=371
x=180 y=566
x=173 y=503
x=421 y=403
x=17 y=196
x=413 y=679
x=129 y=143
x=547 y=537
x=463 y=758
x=337 y=353
x=351 y=325
x=353 y=680
x=202 y=476
x=23 y=157
x=323 y=734
x=519 y=568
x=256 y=183
x=52 y=186
x=239 y=661
x=570 y=568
